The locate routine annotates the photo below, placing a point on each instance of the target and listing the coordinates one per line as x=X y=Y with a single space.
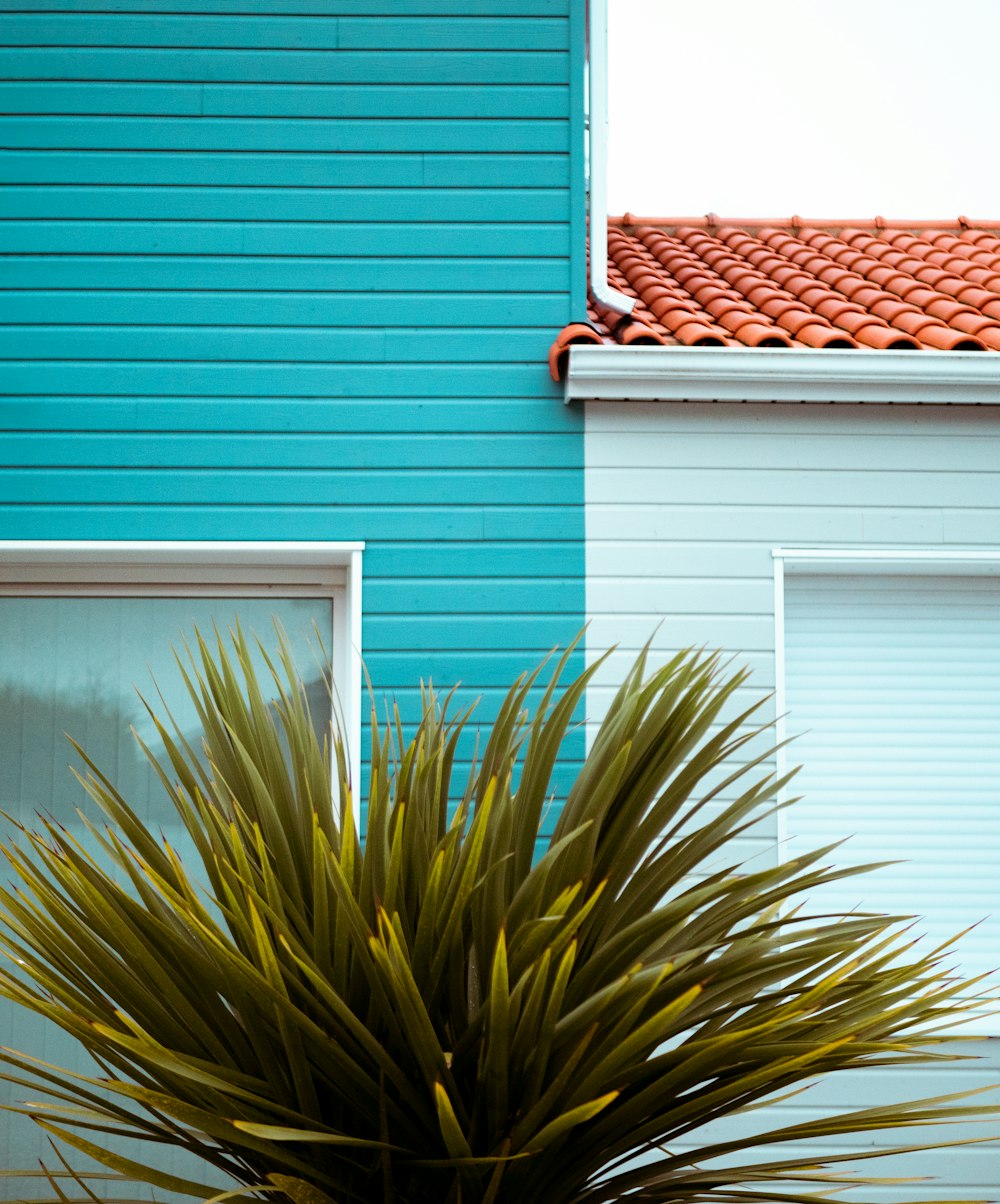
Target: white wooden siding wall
x=684 y=505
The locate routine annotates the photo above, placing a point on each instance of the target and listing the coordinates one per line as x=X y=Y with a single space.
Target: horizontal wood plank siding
x=291 y=204
x=289 y=270
x=321 y=8
x=310 y=33
x=420 y=415
x=290 y=273
x=684 y=506
x=266 y=309
x=87 y=103
x=286 y=269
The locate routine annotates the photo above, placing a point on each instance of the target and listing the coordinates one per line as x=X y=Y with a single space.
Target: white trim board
x=225 y=568
x=766 y=374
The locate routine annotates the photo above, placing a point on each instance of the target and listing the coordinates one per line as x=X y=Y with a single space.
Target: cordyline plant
x=440 y=1014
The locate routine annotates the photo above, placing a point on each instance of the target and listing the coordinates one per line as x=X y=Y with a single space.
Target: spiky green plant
x=440 y=1014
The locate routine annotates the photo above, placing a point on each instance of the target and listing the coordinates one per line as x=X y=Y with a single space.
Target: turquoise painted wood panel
x=315 y=101
x=289 y=270
x=283 y=134
x=415 y=451
x=285 y=66
x=267 y=380
x=260 y=8
x=417 y=414
x=322 y=309
x=526 y=560
x=285 y=33
x=476 y=634
x=327 y=239
x=165 y=29
x=451 y=33
x=257 y=344
x=387 y=169
x=437 y=100
x=280 y=204
x=40 y=520
x=482 y=596
x=245 y=272
x=281 y=487
x=418 y=522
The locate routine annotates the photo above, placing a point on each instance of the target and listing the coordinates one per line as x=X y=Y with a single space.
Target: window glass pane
x=73 y=665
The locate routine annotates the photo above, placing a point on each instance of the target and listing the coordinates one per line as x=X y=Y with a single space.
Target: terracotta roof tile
x=797 y=283
x=576 y=332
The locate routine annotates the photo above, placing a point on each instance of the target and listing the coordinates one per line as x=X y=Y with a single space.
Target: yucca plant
x=452 y=1010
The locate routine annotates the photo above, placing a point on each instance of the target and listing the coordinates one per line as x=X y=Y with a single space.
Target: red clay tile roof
x=712 y=282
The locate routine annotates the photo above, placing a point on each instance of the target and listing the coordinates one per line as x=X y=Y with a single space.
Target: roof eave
x=767 y=374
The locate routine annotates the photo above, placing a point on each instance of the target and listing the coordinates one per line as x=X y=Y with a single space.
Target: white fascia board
x=769 y=374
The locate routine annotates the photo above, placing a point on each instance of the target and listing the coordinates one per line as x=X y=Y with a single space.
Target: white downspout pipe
x=597 y=39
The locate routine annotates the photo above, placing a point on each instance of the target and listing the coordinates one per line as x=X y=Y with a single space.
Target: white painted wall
x=685 y=503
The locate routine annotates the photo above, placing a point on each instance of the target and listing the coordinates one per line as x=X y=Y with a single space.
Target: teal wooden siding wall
x=289 y=269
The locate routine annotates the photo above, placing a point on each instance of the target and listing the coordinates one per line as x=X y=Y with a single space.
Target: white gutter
x=767 y=374
x=597 y=38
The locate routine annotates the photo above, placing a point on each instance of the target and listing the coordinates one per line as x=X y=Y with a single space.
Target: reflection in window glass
x=73 y=666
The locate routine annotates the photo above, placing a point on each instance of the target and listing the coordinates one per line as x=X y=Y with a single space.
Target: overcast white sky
x=822 y=108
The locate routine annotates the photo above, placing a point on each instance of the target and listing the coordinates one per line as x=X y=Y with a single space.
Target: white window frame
x=179 y=568
x=878 y=561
